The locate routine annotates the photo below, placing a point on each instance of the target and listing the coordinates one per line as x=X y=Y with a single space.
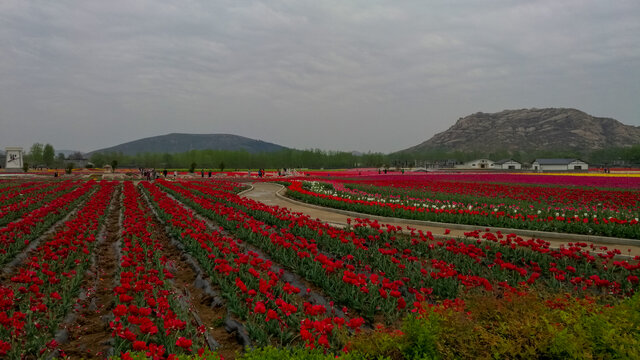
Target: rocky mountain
x=177 y=143
x=532 y=130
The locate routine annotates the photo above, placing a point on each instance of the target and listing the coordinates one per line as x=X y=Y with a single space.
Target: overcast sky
x=336 y=75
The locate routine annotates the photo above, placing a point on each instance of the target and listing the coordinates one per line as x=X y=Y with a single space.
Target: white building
x=476 y=164
x=507 y=164
x=559 y=165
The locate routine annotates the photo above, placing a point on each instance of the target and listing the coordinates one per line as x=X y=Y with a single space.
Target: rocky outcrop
x=532 y=130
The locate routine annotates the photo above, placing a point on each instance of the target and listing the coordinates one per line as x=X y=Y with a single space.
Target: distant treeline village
x=529 y=139
x=41 y=156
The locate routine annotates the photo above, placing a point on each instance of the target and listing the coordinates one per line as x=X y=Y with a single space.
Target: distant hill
x=555 y=129
x=178 y=143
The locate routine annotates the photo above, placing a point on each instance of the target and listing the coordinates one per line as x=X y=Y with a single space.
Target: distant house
x=434 y=164
x=476 y=164
x=507 y=164
x=559 y=165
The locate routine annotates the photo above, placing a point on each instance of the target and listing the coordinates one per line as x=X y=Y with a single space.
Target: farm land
x=197 y=268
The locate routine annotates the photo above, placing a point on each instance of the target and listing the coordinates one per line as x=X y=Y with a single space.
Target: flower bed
x=16 y=204
x=43 y=289
x=148 y=314
x=272 y=310
x=18 y=235
x=380 y=260
x=300 y=288
x=580 y=211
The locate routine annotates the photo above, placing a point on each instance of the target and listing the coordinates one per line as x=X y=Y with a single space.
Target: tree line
x=216 y=159
x=43 y=155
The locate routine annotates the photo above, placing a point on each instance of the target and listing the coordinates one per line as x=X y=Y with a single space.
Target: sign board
x=13 y=157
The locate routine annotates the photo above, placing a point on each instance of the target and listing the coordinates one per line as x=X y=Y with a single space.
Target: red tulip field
x=581 y=210
x=191 y=269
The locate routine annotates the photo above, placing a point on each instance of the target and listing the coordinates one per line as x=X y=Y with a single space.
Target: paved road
x=266 y=193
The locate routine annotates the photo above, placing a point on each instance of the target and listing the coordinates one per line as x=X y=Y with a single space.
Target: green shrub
x=265 y=353
x=514 y=327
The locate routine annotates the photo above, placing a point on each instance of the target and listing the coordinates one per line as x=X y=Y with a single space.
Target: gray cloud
x=349 y=75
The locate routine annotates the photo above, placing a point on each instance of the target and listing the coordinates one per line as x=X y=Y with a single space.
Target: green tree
x=48 y=155
x=60 y=160
x=221 y=166
x=633 y=154
x=167 y=160
x=114 y=164
x=35 y=154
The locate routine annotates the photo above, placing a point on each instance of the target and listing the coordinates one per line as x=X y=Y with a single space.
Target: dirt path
x=266 y=193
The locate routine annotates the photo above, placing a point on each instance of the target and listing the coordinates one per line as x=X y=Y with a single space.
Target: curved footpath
x=271 y=194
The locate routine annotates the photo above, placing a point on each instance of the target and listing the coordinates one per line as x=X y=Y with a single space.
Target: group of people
x=385 y=171
x=263 y=173
x=152 y=174
x=149 y=174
